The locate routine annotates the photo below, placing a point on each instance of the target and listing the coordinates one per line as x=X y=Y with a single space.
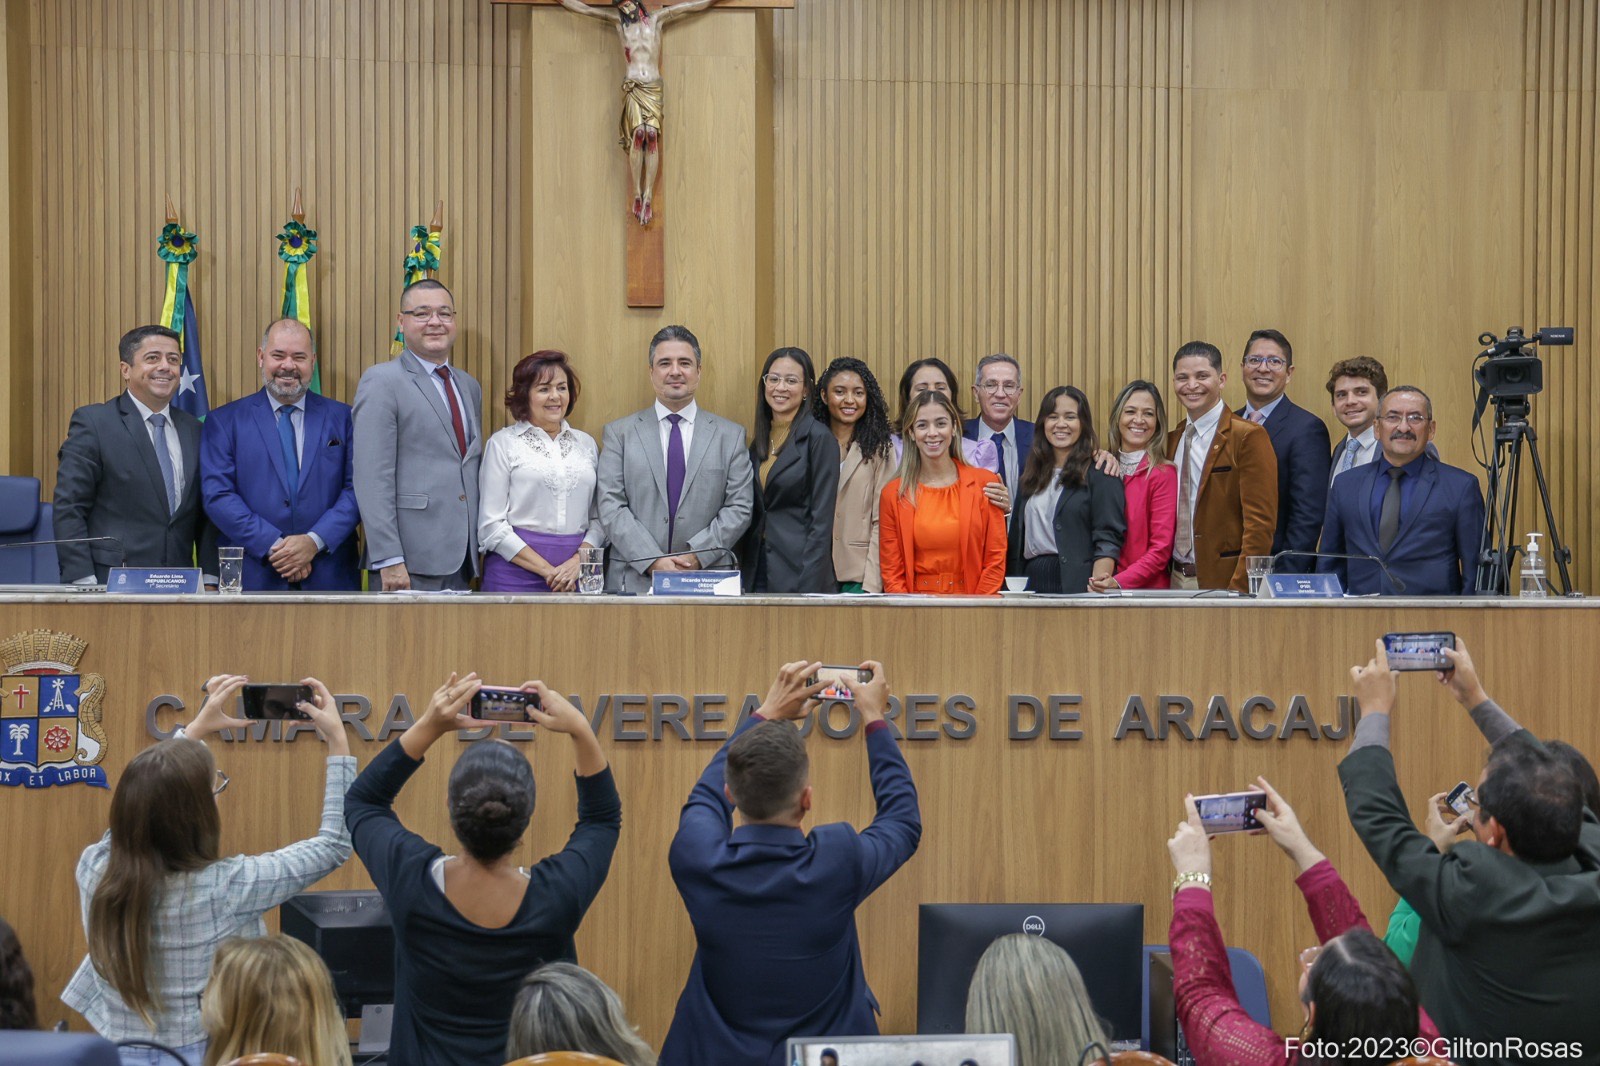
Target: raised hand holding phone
x=324 y=714
x=213 y=714
x=556 y=714
x=444 y=714
x=872 y=696
x=1278 y=820
x=1462 y=677
x=793 y=693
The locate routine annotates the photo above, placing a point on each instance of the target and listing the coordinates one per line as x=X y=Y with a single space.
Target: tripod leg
x=1558 y=549
x=1488 y=582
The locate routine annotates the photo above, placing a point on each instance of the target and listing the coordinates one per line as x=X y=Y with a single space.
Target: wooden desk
x=1005 y=819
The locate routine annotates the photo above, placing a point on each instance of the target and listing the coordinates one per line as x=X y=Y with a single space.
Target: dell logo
x=1033 y=925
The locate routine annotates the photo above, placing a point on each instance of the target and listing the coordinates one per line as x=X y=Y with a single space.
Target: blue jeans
x=192 y=1054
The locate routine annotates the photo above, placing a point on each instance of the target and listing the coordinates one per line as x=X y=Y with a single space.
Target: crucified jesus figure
x=640 y=126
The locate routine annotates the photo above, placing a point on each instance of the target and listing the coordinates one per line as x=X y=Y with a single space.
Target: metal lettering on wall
x=713 y=717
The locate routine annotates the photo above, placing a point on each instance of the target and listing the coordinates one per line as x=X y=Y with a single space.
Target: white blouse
x=543 y=485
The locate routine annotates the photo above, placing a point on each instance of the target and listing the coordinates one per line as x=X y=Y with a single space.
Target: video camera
x=1509 y=367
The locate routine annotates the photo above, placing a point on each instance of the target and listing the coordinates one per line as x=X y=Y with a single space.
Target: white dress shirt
x=1204 y=432
x=1009 y=454
x=297 y=419
x=532 y=481
x=170 y=432
x=1365 y=449
x=685 y=428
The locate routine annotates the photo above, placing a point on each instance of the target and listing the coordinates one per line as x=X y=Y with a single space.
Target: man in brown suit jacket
x=1227 y=479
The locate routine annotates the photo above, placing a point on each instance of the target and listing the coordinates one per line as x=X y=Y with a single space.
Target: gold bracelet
x=1192 y=877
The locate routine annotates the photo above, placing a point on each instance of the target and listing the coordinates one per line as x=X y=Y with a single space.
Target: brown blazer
x=855 y=518
x=1236 y=505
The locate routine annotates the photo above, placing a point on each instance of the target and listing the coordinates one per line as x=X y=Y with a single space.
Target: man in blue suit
x=997 y=389
x=774 y=907
x=1422 y=518
x=1299 y=440
x=275 y=473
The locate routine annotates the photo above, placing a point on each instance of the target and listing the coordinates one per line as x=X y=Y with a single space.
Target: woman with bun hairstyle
x=468 y=927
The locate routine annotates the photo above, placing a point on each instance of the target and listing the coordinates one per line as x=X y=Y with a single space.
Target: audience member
x=1509 y=944
x=276 y=473
x=937 y=533
x=698 y=457
x=129 y=472
x=157 y=897
x=562 y=1007
x=1227 y=479
x=1137 y=437
x=538 y=504
x=1355 y=386
x=997 y=390
x=789 y=546
x=419 y=443
x=469 y=927
x=1070 y=519
x=1423 y=519
x=1030 y=987
x=17 y=1009
x=272 y=994
x=1299 y=442
x=773 y=907
x=1356 y=994
x=850 y=403
x=935 y=374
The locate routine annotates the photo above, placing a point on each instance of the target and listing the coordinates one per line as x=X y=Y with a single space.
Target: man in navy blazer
x=774 y=907
x=997 y=388
x=1299 y=440
x=275 y=473
x=1422 y=518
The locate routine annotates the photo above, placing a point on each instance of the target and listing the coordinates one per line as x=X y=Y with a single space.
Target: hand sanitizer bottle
x=1533 y=579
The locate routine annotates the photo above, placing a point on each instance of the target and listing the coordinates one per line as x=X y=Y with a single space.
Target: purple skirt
x=502 y=576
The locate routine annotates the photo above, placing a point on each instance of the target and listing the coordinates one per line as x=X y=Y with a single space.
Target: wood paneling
x=226 y=107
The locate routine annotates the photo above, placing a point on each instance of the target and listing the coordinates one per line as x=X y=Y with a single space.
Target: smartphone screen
x=841 y=681
x=275 y=701
x=1418 y=651
x=1461 y=798
x=1230 y=812
x=503 y=704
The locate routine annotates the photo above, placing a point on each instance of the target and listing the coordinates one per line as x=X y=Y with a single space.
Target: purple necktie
x=675 y=469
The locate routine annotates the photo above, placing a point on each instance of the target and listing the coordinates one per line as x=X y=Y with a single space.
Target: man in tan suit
x=1227 y=479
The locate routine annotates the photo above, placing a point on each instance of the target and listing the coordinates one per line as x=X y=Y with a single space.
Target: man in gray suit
x=418 y=443
x=672 y=478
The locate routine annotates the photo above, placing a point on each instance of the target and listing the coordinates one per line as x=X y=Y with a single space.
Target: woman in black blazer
x=789 y=547
x=1070 y=518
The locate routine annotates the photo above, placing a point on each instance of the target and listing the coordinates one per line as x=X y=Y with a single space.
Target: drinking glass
x=591 y=570
x=230 y=571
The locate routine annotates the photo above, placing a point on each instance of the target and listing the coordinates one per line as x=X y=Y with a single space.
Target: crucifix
x=638 y=24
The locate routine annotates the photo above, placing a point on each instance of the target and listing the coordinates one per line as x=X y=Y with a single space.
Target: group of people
x=827 y=493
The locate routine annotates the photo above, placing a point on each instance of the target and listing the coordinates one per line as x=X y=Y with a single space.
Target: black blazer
x=1091 y=522
x=789 y=547
x=108 y=485
x=1300 y=441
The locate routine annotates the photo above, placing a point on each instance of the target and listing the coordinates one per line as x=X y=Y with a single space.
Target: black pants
x=1044 y=574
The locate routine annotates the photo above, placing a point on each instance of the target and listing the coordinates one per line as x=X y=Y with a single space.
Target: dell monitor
x=350 y=930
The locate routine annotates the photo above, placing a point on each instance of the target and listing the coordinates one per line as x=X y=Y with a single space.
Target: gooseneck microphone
x=1399 y=586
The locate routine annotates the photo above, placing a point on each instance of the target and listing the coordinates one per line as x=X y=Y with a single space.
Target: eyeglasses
x=1413 y=418
x=1276 y=362
x=775 y=380
x=422 y=314
x=220 y=785
x=1008 y=388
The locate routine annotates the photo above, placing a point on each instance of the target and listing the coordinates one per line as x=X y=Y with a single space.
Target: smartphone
x=276 y=701
x=1230 y=812
x=841 y=681
x=1418 y=651
x=503 y=704
x=1461 y=798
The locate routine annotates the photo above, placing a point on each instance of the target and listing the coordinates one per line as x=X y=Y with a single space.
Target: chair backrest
x=24 y=517
x=565 y=1058
x=266 y=1058
x=26 y=1048
x=1249 y=985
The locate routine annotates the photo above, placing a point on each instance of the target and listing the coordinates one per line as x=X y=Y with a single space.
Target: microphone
x=701 y=554
x=1399 y=586
x=122 y=553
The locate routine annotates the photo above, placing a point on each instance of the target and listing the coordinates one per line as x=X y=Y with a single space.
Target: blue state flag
x=192 y=388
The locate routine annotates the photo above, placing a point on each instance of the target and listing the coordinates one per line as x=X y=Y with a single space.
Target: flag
x=422 y=260
x=177 y=248
x=296 y=246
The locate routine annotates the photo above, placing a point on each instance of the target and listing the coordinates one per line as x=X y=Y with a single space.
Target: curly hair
x=872 y=432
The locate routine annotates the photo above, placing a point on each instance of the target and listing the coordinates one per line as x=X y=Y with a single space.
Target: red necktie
x=455 y=410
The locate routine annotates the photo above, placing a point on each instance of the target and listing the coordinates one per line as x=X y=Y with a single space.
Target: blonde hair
x=1156 y=450
x=1028 y=986
x=272 y=993
x=911 y=455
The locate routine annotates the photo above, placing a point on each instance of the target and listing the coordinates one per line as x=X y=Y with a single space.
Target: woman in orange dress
x=937 y=531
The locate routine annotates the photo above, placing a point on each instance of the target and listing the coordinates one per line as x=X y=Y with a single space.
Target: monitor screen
x=1106 y=940
x=351 y=931
x=998 y=1049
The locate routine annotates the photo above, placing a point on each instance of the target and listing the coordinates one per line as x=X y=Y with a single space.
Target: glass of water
x=230 y=571
x=1256 y=567
x=591 y=570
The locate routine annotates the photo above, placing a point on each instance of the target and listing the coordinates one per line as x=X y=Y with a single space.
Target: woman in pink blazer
x=1137 y=439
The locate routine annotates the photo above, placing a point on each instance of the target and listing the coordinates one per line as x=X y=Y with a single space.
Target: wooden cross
x=646 y=252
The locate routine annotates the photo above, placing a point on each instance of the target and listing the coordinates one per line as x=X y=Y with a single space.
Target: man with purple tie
x=674 y=481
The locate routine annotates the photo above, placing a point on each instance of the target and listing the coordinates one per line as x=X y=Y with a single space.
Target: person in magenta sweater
x=1137 y=436
x=1351 y=984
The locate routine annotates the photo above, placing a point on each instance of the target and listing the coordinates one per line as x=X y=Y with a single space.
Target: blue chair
x=19 y=1048
x=24 y=517
x=1249 y=984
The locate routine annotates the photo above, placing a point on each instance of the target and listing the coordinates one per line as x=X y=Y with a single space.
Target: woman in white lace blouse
x=536 y=501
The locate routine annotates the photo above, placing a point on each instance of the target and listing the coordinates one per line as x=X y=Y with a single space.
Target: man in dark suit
x=1509 y=938
x=276 y=473
x=130 y=471
x=997 y=389
x=1422 y=518
x=1299 y=439
x=773 y=907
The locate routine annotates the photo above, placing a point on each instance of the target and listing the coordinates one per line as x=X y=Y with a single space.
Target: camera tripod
x=1512 y=436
